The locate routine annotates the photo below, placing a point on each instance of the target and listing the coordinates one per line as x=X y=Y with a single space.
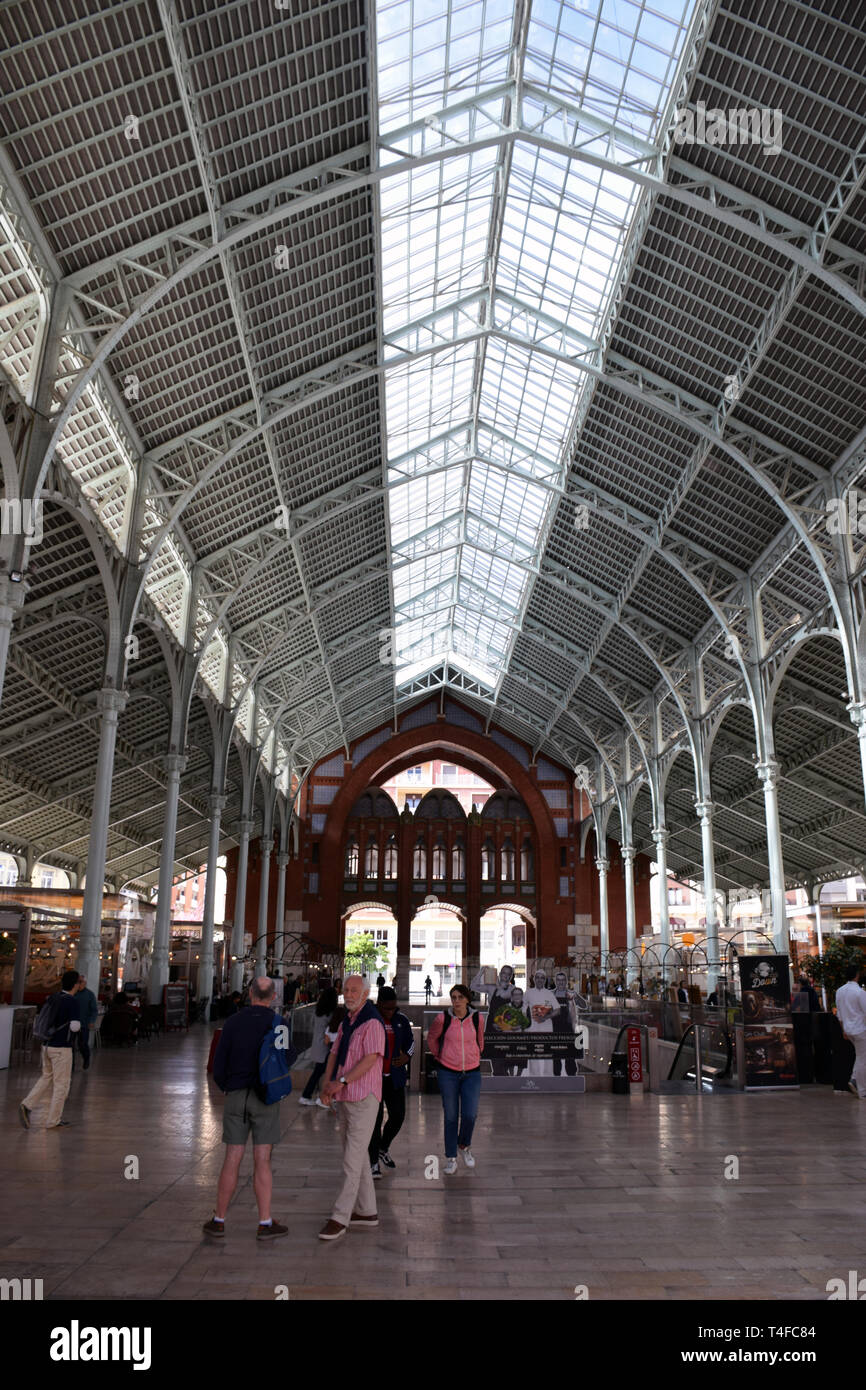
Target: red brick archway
x=489 y=761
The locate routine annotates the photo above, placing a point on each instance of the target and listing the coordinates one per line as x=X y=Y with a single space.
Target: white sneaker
x=450 y=1165
x=321 y=1104
x=466 y=1155
x=302 y=1100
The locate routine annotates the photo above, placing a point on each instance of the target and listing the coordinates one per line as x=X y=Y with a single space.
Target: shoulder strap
x=446 y=1024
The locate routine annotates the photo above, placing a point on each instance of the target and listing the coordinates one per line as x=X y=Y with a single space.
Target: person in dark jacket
x=399 y=1046
x=88 y=1013
x=53 y=1084
x=805 y=999
x=236 y=1071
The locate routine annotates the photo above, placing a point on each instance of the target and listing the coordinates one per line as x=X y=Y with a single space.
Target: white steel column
x=236 y=979
x=708 y=854
x=110 y=704
x=768 y=772
x=11 y=602
x=816 y=894
x=204 y=986
x=174 y=765
x=661 y=838
x=857 y=711
x=603 y=865
x=279 y=922
x=628 y=853
x=261 y=953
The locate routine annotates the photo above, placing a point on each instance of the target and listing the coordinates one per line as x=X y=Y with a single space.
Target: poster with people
x=532 y=1031
x=770 y=1055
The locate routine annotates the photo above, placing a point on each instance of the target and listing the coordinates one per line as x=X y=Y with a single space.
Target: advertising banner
x=768 y=1032
x=175 y=1005
x=532 y=1032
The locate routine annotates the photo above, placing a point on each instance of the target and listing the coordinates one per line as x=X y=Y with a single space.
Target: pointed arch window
x=440 y=860
x=527 y=862
x=352 y=861
x=458 y=862
x=507 y=861
x=391 y=857
x=371 y=860
x=488 y=861
x=419 y=862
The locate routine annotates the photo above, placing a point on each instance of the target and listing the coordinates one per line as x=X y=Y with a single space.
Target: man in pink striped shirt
x=355 y=1064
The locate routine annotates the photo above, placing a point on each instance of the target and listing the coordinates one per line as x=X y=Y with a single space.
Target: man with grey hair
x=355 y=1064
x=236 y=1071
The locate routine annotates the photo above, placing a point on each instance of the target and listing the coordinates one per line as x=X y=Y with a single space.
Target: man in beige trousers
x=355 y=1064
x=53 y=1084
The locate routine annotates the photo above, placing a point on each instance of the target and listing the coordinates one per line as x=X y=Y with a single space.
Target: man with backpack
x=237 y=1072
x=56 y=1028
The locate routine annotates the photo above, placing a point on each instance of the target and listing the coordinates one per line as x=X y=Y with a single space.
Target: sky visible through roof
x=511 y=238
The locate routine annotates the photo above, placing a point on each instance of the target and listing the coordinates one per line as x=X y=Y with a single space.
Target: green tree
x=363 y=954
x=830 y=969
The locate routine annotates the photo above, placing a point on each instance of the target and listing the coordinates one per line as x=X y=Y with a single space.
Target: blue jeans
x=461 y=1092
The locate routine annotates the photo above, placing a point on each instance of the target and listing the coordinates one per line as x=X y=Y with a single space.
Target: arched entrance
x=508 y=935
x=515 y=827
x=369 y=941
x=436 y=945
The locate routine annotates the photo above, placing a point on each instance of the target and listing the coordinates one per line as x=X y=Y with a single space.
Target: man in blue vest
x=399 y=1046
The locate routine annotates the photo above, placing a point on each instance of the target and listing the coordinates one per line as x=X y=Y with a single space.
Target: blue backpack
x=276 y=1057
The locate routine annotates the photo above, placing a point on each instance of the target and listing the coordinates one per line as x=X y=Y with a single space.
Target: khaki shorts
x=244 y=1112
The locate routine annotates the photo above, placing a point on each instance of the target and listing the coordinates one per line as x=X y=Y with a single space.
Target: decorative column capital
x=602 y=865
x=661 y=836
x=217 y=803
x=245 y=827
x=174 y=764
x=13 y=592
x=768 y=772
x=857 y=711
x=267 y=848
x=283 y=861
x=628 y=853
x=111 y=701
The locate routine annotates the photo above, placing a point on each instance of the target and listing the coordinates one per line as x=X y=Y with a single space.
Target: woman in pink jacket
x=456 y=1039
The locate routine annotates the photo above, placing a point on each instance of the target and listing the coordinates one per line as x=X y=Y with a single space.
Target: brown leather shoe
x=364 y=1222
x=332 y=1230
x=214 y=1228
x=271 y=1232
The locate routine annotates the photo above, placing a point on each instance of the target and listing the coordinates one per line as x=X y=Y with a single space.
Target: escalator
x=716 y=1046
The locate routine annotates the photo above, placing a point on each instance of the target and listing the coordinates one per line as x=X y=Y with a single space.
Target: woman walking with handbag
x=456 y=1040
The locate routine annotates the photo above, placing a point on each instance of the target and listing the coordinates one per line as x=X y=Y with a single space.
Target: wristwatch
x=343 y=1081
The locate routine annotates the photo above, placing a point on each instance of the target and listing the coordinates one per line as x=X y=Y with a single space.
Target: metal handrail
x=716 y=1075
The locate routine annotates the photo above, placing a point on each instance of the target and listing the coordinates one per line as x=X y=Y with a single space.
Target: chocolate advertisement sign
x=768 y=1032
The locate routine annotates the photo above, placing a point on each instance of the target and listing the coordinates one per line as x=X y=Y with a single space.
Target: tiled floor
x=627 y=1196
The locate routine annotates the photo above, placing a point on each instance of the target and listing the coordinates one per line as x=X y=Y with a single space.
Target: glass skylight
x=498 y=264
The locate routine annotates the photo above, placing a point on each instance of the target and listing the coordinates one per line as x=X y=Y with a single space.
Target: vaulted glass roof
x=489 y=257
